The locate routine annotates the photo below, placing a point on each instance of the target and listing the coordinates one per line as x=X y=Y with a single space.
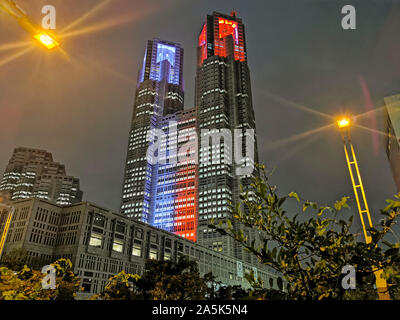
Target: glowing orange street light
x=46 y=40
x=343 y=122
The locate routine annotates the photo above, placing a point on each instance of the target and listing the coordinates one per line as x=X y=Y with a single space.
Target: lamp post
x=10 y=213
x=43 y=37
x=344 y=124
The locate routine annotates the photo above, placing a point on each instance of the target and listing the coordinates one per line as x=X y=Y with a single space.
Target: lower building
x=101 y=243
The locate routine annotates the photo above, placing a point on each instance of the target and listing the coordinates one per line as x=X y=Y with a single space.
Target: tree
x=310 y=248
x=119 y=287
x=26 y=284
x=67 y=283
x=162 y=280
x=167 y=280
x=15 y=259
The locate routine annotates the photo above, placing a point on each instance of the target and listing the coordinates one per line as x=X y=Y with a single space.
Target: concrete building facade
x=101 y=243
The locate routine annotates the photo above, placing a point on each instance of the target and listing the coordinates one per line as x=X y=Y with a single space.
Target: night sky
x=79 y=107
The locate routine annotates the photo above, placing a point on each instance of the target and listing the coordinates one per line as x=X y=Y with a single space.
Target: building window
x=118 y=245
x=87 y=285
x=96 y=240
x=137 y=250
x=154 y=238
x=99 y=221
x=120 y=228
x=153 y=254
x=139 y=234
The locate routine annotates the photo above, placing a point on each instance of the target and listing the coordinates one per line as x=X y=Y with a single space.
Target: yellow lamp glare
x=46 y=40
x=343 y=122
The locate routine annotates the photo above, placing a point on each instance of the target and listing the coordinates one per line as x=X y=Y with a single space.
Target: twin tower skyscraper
x=183 y=196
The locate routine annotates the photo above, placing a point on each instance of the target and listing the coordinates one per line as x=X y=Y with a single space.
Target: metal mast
x=362 y=205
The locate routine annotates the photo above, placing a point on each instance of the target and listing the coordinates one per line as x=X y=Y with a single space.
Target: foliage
x=218 y=291
x=162 y=280
x=67 y=283
x=310 y=247
x=181 y=280
x=15 y=259
x=119 y=287
x=167 y=280
x=26 y=284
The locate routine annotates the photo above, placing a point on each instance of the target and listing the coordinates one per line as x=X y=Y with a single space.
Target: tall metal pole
x=361 y=200
x=10 y=211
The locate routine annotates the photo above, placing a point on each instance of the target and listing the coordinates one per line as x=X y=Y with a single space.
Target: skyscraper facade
x=204 y=182
x=392 y=137
x=223 y=101
x=159 y=92
x=161 y=193
x=175 y=197
x=33 y=173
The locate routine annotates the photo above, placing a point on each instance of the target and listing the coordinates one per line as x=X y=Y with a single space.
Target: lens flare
x=14 y=56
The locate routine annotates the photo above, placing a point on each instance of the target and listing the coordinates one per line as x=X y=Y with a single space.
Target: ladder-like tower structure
x=9 y=211
x=359 y=193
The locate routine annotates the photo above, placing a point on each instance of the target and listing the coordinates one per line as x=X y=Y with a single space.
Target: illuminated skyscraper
x=175 y=194
x=223 y=101
x=183 y=197
x=161 y=194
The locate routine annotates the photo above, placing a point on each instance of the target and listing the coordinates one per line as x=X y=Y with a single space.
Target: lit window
x=118 y=245
x=153 y=254
x=137 y=250
x=95 y=240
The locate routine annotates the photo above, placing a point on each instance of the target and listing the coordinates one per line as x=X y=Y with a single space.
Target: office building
x=152 y=192
x=162 y=194
x=33 y=173
x=224 y=101
x=159 y=92
x=101 y=243
x=175 y=190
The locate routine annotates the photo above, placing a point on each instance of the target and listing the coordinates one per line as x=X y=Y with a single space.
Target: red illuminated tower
x=223 y=101
x=213 y=36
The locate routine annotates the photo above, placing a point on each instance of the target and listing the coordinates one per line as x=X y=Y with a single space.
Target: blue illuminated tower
x=159 y=92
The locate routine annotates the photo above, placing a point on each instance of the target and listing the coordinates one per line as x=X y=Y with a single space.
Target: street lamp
x=47 y=40
x=344 y=124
